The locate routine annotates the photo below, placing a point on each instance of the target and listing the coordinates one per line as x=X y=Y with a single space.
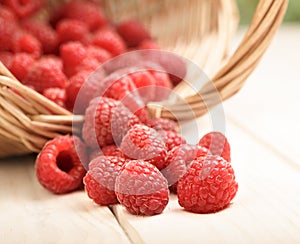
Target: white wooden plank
x=30 y=214
x=265 y=210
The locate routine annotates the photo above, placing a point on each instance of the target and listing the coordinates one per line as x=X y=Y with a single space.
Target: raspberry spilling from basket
x=123 y=156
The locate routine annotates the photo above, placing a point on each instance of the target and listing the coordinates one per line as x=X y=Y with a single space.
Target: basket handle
x=232 y=76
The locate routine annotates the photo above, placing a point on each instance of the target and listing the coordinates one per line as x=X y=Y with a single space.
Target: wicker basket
x=201 y=30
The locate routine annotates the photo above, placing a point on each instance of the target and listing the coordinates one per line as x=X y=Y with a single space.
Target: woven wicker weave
x=201 y=30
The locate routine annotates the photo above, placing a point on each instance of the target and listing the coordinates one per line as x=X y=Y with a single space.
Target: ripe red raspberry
x=163 y=85
x=44 y=74
x=43 y=32
x=8 y=31
x=118 y=88
x=24 y=8
x=163 y=124
x=172 y=139
x=59 y=166
x=110 y=41
x=27 y=43
x=141 y=188
x=133 y=32
x=178 y=160
x=100 y=54
x=6 y=58
x=21 y=64
x=142 y=142
x=145 y=83
x=72 y=54
x=71 y=30
x=106 y=122
x=7 y=14
x=217 y=144
x=56 y=95
x=208 y=186
x=110 y=150
x=85 y=11
x=148 y=44
x=100 y=179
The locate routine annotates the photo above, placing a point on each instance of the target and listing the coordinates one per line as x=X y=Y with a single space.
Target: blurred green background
x=247 y=8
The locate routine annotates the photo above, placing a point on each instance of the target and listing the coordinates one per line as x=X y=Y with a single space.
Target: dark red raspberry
x=145 y=83
x=85 y=11
x=27 y=43
x=6 y=58
x=59 y=166
x=142 y=142
x=21 y=64
x=110 y=41
x=208 y=186
x=106 y=122
x=100 y=179
x=178 y=160
x=141 y=188
x=44 y=74
x=163 y=124
x=133 y=32
x=172 y=139
x=43 y=32
x=217 y=144
x=8 y=31
x=71 y=30
x=57 y=95
x=24 y=8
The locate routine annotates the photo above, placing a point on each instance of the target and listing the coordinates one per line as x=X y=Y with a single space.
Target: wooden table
x=263 y=127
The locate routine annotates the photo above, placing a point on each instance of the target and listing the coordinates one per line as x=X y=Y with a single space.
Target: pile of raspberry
x=122 y=156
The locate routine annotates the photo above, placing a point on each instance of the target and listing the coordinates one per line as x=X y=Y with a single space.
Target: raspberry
x=100 y=54
x=119 y=88
x=7 y=15
x=44 y=74
x=106 y=122
x=24 y=8
x=8 y=31
x=100 y=179
x=148 y=44
x=141 y=188
x=59 y=166
x=178 y=160
x=72 y=54
x=110 y=41
x=110 y=150
x=21 y=64
x=6 y=58
x=133 y=32
x=172 y=139
x=43 y=32
x=163 y=124
x=56 y=95
x=208 y=186
x=142 y=142
x=145 y=83
x=71 y=30
x=27 y=43
x=217 y=144
x=163 y=85
x=85 y=11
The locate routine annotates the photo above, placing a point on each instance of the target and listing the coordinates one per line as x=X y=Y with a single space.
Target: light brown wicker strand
x=243 y=61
